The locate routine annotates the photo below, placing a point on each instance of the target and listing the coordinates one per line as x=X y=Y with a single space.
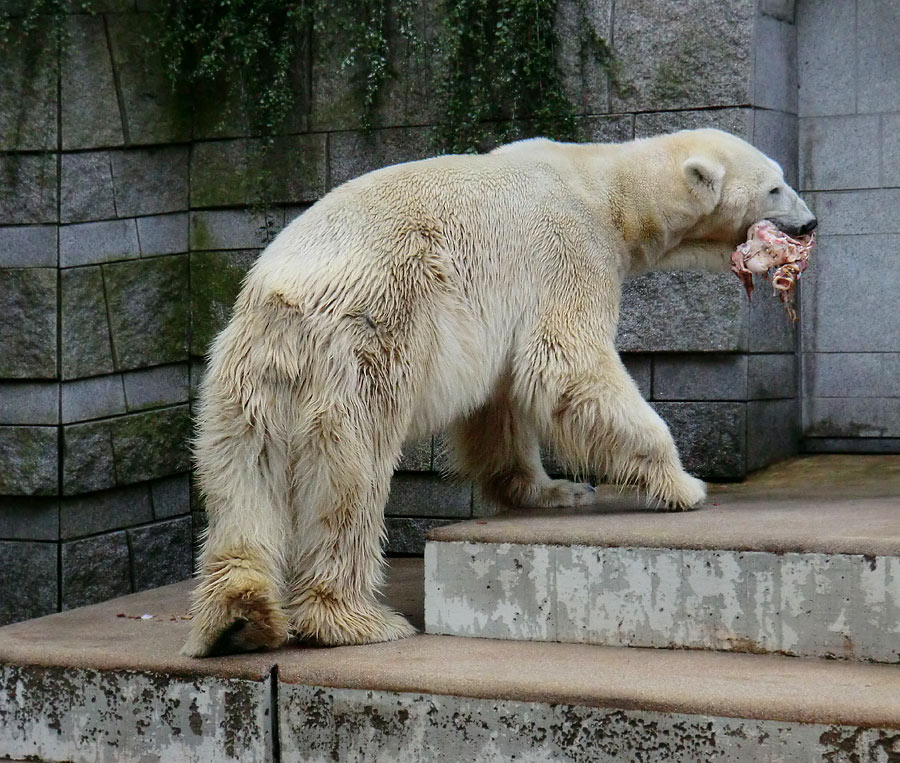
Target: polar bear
x=477 y=294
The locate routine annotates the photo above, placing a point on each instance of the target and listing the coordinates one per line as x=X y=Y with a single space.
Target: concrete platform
x=802 y=559
x=101 y=684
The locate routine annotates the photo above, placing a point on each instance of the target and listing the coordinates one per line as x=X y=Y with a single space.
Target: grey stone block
x=856 y=212
x=29 y=403
x=171 y=496
x=94 y=569
x=233 y=229
x=852 y=417
x=890 y=150
x=661 y=70
x=28 y=188
x=615 y=128
x=28 y=323
x=862 y=445
x=148 y=310
x=228 y=173
x=88 y=463
x=419 y=495
x=163 y=234
x=406 y=535
x=90 y=109
x=85 y=348
x=684 y=311
x=104 y=511
x=28 y=99
x=151 y=445
x=352 y=154
x=29 y=586
x=585 y=82
x=161 y=553
x=840 y=152
x=150 y=181
x=28 y=518
x=154 y=387
x=771 y=328
x=849 y=295
x=92 y=398
x=153 y=112
x=198 y=371
x=215 y=282
x=700 y=377
x=738 y=121
x=775 y=49
x=775 y=134
x=336 y=97
x=29 y=246
x=772 y=376
x=28 y=461
x=86 y=187
x=416 y=456
x=851 y=374
x=640 y=368
x=878 y=56
x=826 y=56
x=92 y=243
x=779 y=9
x=773 y=431
x=711 y=437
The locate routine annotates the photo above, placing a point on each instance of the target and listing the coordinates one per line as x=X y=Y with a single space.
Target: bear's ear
x=704 y=177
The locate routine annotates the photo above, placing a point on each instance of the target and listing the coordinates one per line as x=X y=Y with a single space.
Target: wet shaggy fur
x=474 y=293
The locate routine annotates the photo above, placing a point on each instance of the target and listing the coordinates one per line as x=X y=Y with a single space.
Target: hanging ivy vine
x=497 y=60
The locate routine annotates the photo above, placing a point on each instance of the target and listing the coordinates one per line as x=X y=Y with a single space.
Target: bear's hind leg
x=337 y=564
x=498 y=448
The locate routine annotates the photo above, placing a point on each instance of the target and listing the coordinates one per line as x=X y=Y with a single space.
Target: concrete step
x=91 y=685
x=803 y=559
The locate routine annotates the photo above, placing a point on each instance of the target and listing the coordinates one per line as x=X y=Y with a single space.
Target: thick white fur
x=475 y=293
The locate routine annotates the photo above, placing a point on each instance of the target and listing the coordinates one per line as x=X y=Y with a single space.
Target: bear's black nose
x=809 y=227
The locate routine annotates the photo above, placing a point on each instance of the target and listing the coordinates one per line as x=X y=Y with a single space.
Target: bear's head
x=735 y=185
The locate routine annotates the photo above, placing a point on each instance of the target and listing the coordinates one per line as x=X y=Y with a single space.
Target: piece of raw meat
x=768 y=248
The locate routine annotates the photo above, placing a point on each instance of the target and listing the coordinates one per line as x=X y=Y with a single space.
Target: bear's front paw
x=681 y=493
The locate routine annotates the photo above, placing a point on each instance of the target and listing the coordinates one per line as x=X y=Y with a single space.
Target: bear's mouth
x=792 y=228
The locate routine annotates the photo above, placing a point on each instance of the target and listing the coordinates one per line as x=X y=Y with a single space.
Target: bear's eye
x=775 y=191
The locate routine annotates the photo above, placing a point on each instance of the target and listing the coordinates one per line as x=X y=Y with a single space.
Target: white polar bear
x=474 y=293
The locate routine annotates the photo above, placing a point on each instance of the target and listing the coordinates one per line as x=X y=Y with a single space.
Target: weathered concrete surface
x=818 y=605
x=830 y=504
x=99 y=716
x=71 y=679
x=319 y=724
x=759 y=569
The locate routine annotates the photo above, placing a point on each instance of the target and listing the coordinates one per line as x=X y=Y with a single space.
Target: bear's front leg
x=601 y=422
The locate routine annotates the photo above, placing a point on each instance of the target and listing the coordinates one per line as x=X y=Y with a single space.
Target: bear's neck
x=646 y=198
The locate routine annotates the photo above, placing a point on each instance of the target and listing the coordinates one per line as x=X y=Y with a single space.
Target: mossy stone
x=28 y=460
x=150 y=445
x=88 y=462
x=215 y=283
x=86 y=348
x=148 y=310
x=27 y=323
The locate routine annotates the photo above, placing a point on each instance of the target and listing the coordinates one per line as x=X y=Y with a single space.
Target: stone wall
x=849 y=63
x=125 y=229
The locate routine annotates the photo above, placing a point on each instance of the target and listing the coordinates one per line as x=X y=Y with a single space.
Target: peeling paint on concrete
x=320 y=724
x=844 y=606
x=113 y=716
